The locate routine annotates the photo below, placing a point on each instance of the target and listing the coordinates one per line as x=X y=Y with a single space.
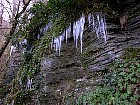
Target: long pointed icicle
x=77 y=33
x=98 y=18
x=103 y=28
x=89 y=18
x=68 y=31
x=12 y=49
x=60 y=41
x=56 y=41
x=82 y=30
x=66 y=34
x=93 y=22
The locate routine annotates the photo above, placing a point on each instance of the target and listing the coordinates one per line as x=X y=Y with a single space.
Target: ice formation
x=29 y=84
x=57 y=42
x=12 y=49
x=78 y=29
x=96 y=21
x=44 y=30
x=98 y=25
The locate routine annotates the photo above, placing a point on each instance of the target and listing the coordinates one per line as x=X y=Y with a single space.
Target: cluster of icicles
x=97 y=23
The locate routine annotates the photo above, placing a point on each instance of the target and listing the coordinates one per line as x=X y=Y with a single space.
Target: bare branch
x=18 y=6
x=6 y=8
x=14 y=25
x=9 y=5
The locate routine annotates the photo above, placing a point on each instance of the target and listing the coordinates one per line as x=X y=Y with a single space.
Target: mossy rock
x=20 y=98
x=131 y=52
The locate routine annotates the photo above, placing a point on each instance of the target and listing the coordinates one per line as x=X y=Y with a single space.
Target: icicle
x=89 y=18
x=57 y=42
x=98 y=18
x=29 y=84
x=46 y=28
x=12 y=49
x=23 y=50
x=38 y=36
x=74 y=31
x=13 y=102
x=93 y=22
x=69 y=31
x=77 y=33
x=97 y=31
x=103 y=28
x=20 y=81
x=23 y=42
x=82 y=30
x=99 y=24
x=56 y=46
x=66 y=33
x=60 y=41
x=82 y=23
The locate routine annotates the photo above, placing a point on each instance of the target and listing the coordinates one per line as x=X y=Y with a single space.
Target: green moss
x=23 y=97
x=131 y=53
x=120 y=83
x=2 y=91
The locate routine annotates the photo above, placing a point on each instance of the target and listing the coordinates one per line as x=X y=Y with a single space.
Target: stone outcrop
x=72 y=73
x=13 y=66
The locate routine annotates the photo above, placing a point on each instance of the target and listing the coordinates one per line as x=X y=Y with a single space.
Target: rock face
x=72 y=73
x=13 y=66
x=4 y=28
